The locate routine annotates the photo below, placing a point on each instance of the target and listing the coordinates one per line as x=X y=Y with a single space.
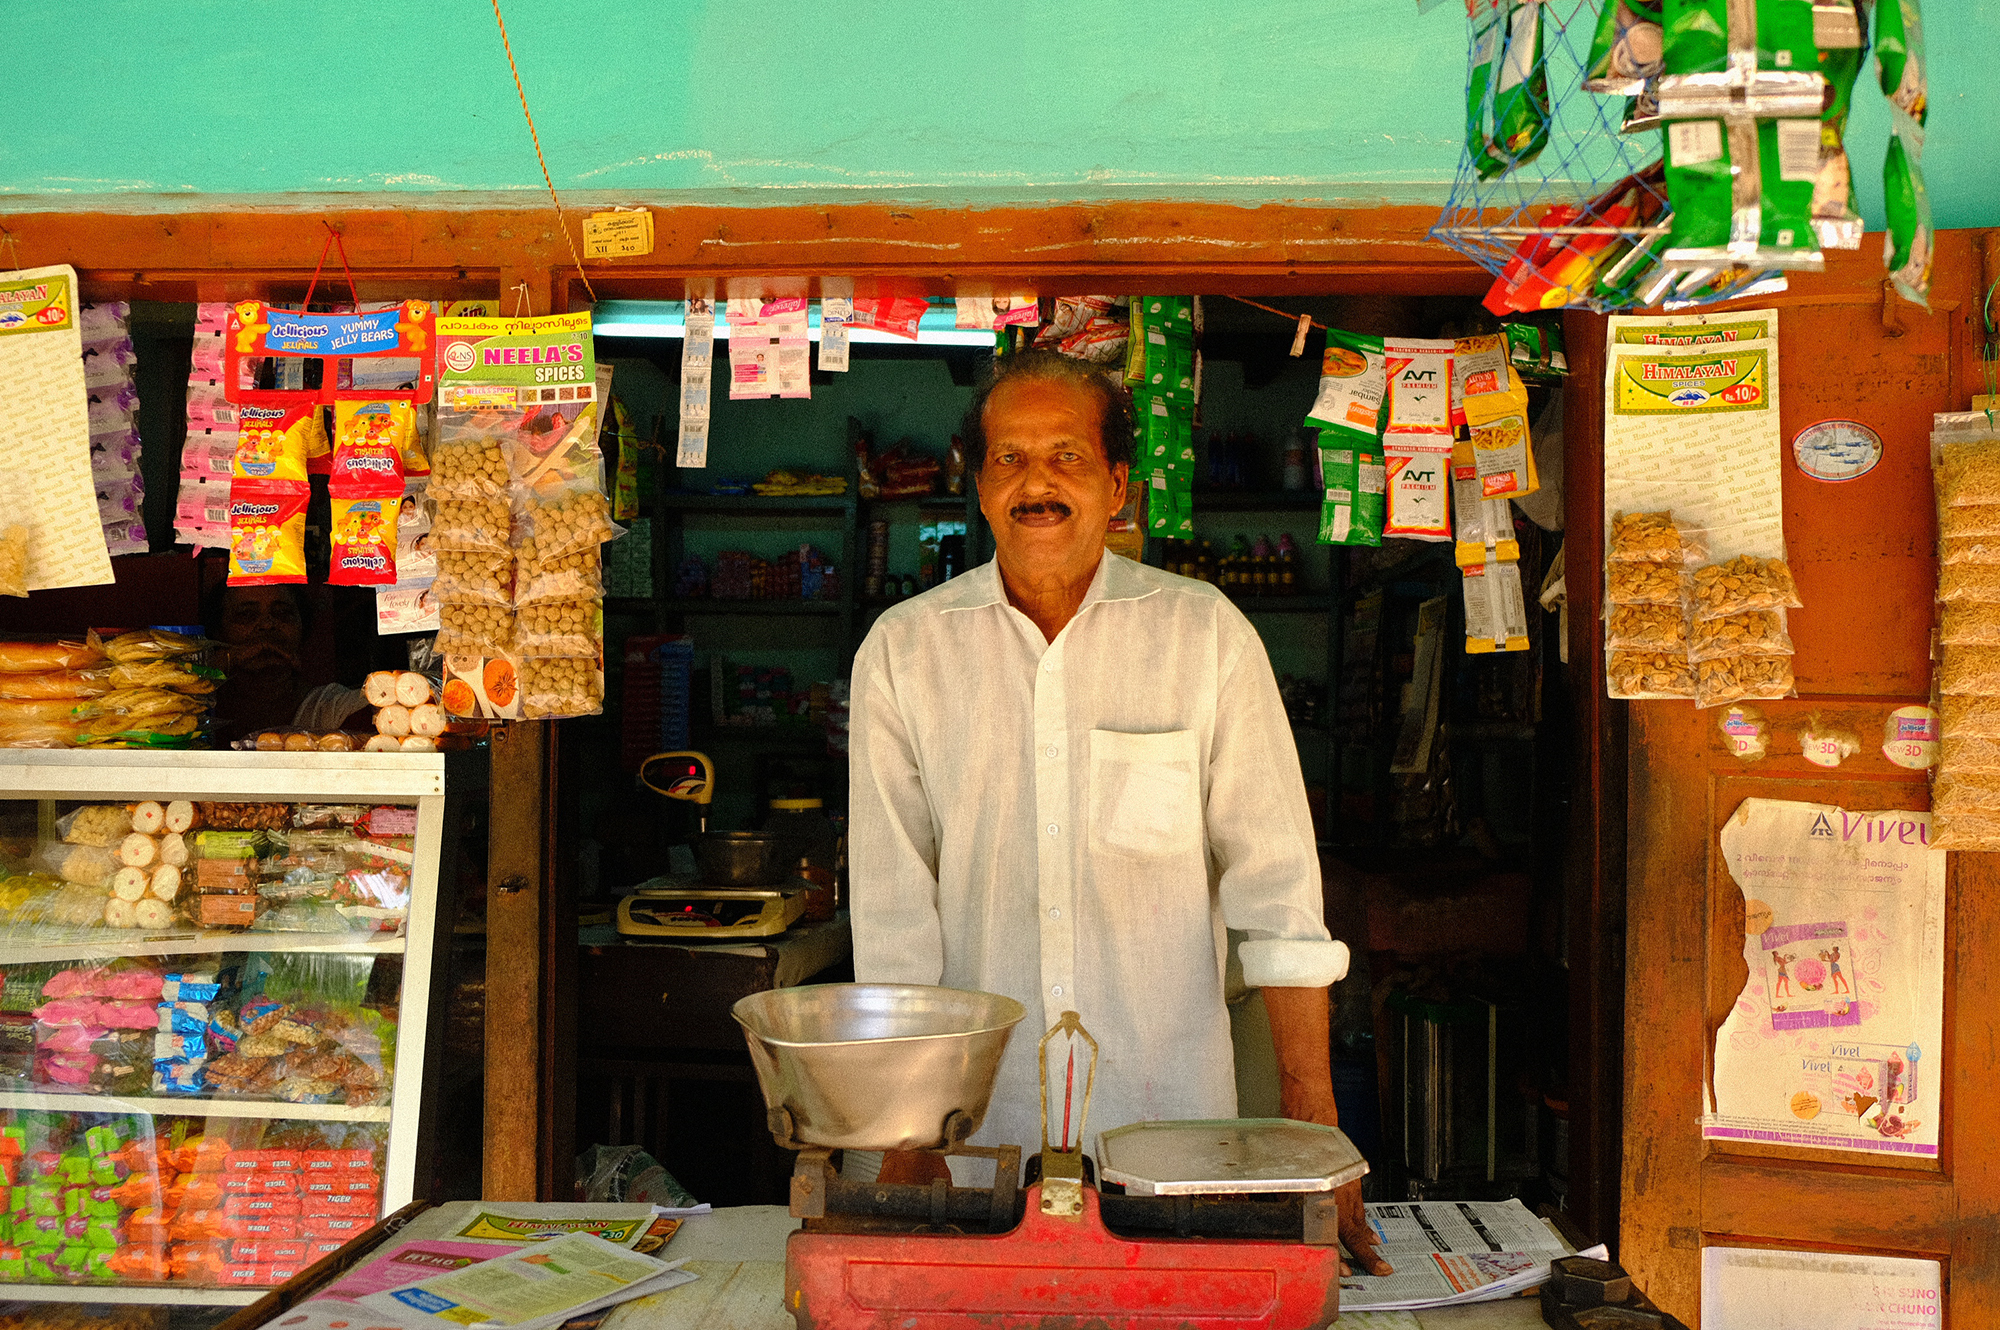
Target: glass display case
x=214 y=974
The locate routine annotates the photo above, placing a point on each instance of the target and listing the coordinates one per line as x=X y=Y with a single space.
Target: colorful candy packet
x=364 y=540
x=267 y=533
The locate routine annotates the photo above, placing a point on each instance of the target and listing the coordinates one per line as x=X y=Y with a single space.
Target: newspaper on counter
x=532 y=1290
x=1451 y=1252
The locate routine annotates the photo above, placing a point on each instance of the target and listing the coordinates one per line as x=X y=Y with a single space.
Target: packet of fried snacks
x=1970 y=625
x=1636 y=675
x=1652 y=538
x=1496 y=613
x=1741 y=678
x=267 y=533
x=564 y=525
x=1652 y=628
x=468 y=577
x=1490 y=410
x=1745 y=582
x=1633 y=583
x=1483 y=528
x=475 y=630
x=482 y=525
x=1751 y=633
x=467 y=461
x=558 y=686
x=1965 y=457
x=574 y=576
x=559 y=628
x=1835 y=213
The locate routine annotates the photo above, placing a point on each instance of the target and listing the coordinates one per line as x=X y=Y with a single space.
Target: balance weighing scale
x=680 y=906
x=1179 y=1226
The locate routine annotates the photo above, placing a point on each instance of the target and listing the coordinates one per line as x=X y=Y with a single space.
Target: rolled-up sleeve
x=1260 y=835
x=892 y=867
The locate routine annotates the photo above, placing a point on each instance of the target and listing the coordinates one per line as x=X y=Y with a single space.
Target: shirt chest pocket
x=1145 y=793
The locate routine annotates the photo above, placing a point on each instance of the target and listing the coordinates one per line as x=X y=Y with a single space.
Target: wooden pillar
x=517 y=1028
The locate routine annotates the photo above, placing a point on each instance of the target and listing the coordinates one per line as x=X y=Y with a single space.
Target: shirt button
x=1052 y=828
x=1056 y=990
x=1055 y=913
x=1050 y=750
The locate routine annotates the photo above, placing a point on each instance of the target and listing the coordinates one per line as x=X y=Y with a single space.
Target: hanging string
x=1284 y=314
x=333 y=241
x=1989 y=354
x=13 y=246
x=561 y=224
x=523 y=306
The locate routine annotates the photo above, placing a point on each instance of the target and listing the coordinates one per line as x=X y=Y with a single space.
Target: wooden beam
x=517 y=1031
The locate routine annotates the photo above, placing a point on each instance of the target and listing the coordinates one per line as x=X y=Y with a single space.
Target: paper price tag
x=618 y=235
x=835 y=313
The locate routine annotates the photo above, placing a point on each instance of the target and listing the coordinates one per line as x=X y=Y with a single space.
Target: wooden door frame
x=1270 y=250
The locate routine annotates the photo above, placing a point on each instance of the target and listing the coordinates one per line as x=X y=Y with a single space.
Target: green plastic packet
x=1835 y=213
x=1707 y=60
x=1356 y=489
x=1352 y=384
x=1625 y=51
x=1489 y=47
x=1906 y=247
x=1762 y=217
x=1520 y=90
x=1535 y=350
x=1899 y=57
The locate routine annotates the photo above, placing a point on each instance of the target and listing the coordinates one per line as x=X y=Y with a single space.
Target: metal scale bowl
x=741 y=889
x=1185 y=1224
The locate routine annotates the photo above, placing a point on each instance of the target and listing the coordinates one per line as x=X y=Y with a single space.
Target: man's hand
x=1301 y=1037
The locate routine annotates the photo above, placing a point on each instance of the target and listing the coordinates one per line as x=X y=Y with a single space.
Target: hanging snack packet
x=1906 y=245
x=272 y=443
x=1482 y=527
x=1899 y=57
x=1351 y=508
x=267 y=533
x=473 y=525
x=1715 y=65
x=1626 y=49
x=1496 y=614
x=368 y=446
x=1742 y=193
x=1495 y=411
x=1507 y=59
x=1416 y=443
x=1835 y=214
x=1351 y=386
x=364 y=539
x=1419 y=379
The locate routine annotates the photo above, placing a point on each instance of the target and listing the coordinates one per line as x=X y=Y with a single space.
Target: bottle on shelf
x=1205 y=563
x=1295 y=462
x=1261 y=581
x=1239 y=563
x=1288 y=566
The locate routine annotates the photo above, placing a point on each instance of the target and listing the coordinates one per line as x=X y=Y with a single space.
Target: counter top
x=802 y=951
x=739 y=1254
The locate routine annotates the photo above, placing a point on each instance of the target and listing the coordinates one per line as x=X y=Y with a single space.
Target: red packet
x=364 y=540
x=267 y=533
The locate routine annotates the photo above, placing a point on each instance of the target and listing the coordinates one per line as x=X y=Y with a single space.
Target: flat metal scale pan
x=1228 y=1156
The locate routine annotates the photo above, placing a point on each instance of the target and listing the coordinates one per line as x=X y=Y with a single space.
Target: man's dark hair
x=217 y=600
x=1114 y=421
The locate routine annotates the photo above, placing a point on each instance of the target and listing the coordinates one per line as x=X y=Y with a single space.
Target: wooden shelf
x=705 y=605
x=765 y=505
x=187 y=1106
x=1255 y=501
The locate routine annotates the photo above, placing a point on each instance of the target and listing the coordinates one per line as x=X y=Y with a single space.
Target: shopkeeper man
x=1069 y=772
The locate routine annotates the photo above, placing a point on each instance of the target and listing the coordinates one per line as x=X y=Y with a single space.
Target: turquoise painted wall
x=707 y=100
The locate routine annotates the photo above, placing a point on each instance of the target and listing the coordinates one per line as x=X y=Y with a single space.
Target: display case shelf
x=107 y=943
x=182 y=1106
x=180 y=1295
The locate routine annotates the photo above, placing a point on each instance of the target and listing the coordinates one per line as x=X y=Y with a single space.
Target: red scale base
x=1055 y=1273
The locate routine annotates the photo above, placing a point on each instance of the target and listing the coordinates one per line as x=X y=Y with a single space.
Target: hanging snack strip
x=1353 y=383
x=201 y=512
x=282 y=431
x=521 y=513
x=1162 y=370
x=108 y=357
x=1491 y=465
x=1965 y=801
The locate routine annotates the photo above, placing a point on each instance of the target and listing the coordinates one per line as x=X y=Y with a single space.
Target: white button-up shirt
x=1074 y=823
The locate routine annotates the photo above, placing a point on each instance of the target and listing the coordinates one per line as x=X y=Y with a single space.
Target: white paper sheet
x=45 y=431
x=1705 y=445
x=1749 y=1288
x=1836 y=1039
x=1448 y=1252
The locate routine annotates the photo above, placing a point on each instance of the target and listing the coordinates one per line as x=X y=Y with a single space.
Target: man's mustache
x=1056 y=506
